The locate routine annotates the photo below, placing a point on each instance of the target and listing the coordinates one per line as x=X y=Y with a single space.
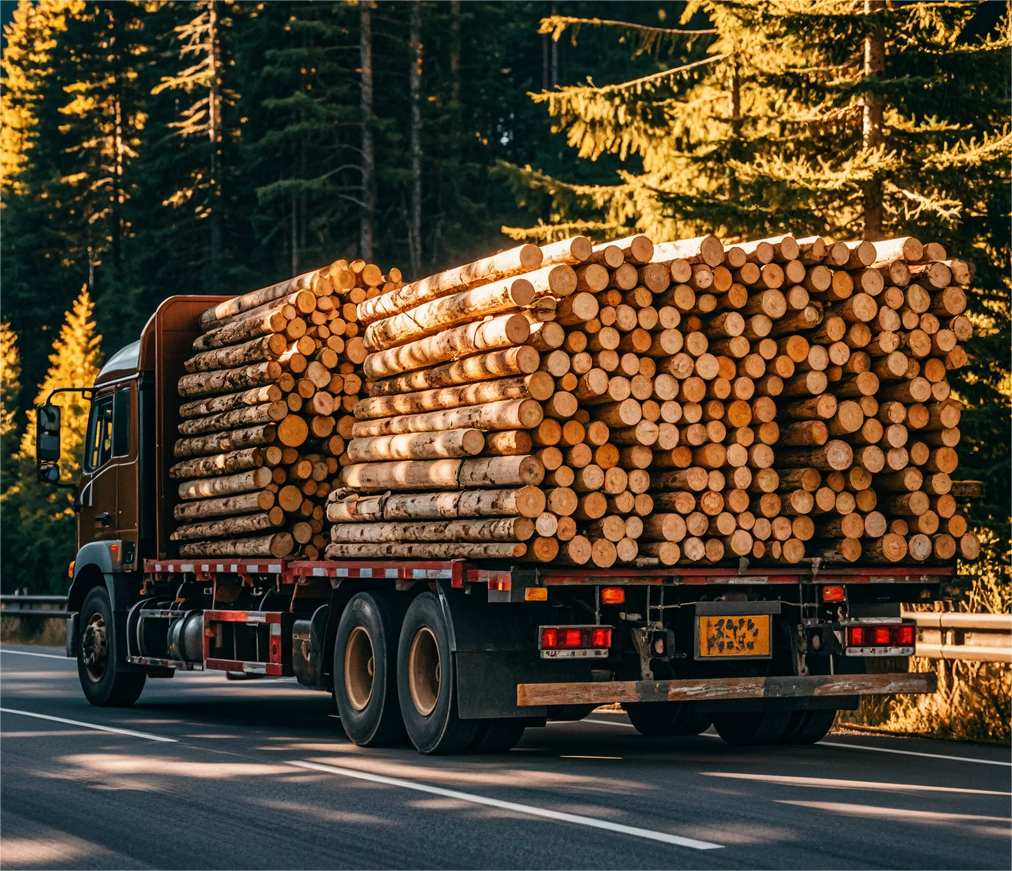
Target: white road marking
x=527 y=809
x=43 y=655
x=590 y=757
x=912 y=753
x=830 y=783
x=606 y=723
x=147 y=736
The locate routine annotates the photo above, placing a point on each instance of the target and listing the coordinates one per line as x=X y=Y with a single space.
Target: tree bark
x=427 y=551
x=488 y=335
x=506 y=363
x=523 y=502
x=235 y=440
x=434 y=474
x=538 y=385
x=278 y=545
x=505 y=265
x=222 y=464
x=268 y=412
x=449 y=311
x=502 y=529
x=288 y=290
x=230 y=526
x=505 y=414
x=417 y=446
x=243 y=482
x=225 y=506
x=243 y=329
x=232 y=402
x=229 y=380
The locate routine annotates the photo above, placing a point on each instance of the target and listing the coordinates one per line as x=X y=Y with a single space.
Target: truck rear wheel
x=426 y=682
x=741 y=728
x=497 y=736
x=654 y=719
x=808 y=727
x=98 y=654
x=365 y=656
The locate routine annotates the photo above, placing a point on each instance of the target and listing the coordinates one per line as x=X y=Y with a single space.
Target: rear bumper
x=722 y=689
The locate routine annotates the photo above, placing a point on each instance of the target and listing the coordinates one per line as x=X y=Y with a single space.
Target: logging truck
x=455 y=655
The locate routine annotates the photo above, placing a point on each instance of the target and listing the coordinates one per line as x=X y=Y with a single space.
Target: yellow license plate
x=744 y=635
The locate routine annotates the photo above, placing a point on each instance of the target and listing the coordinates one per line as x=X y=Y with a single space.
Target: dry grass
x=44 y=631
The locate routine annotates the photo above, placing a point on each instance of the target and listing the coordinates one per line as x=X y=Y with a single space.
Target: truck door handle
x=103 y=519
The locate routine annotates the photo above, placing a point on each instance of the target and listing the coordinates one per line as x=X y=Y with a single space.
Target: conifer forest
x=214 y=147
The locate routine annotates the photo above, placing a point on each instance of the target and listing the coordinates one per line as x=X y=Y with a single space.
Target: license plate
x=745 y=636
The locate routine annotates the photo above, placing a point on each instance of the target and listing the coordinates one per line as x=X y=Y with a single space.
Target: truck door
x=108 y=494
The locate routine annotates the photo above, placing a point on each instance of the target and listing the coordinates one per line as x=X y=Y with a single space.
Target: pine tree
x=10 y=397
x=75 y=362
x=848 y=118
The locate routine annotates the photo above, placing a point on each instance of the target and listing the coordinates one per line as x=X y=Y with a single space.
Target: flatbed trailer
x=456 y=655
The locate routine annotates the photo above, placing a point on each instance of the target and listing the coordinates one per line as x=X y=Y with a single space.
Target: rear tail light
x=575 y=641
x=833 y=594
x=881 y=639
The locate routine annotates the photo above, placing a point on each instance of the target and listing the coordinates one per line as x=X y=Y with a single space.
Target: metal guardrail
x=33 y=606
x=953 y=635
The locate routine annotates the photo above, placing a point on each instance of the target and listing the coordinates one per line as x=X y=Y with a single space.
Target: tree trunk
x=415 y=88
x=278 y=545
x=243 y=329
x=255 y=351
x=503 y=529
x=231 y=402
x=505 y=414
x=427 y=551
x=222 y=464
x=417 y=446
x=435 y=474
x=500 y=332
x=366 y=232
x=235 y=440
x=243 y=482
x=226 y=506
x=523 y=502
x=874 y=67
x=510 y=362
x=449 y=311
x=229 y=380
x=230 y=526
x=287 y=291
x=538 y=385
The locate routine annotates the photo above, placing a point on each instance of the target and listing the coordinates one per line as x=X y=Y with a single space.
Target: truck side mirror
x=47 y=434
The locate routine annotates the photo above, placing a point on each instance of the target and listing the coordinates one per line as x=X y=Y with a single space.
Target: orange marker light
x=612 y=596
x=536 y=594
x=833 y=594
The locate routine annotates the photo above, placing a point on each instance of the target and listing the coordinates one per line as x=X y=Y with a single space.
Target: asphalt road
x=258 y=774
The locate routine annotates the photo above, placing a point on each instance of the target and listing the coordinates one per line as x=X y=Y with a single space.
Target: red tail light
x=570 y=641
x=881 y=639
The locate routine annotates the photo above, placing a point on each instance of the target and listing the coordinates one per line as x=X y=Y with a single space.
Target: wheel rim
x=359 y=668
x=424 y=671
x=95 y=647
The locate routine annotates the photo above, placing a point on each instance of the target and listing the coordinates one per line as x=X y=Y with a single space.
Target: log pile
x=258 y=449
x=633 y=403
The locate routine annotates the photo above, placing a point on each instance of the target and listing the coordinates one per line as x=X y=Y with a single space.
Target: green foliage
x=37 y=520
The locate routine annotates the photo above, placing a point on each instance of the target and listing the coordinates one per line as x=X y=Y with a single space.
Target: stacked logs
x=257 y=452
x=677 y=403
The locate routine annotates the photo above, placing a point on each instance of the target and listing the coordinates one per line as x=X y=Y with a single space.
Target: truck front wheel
x=365 y=651
x=426 y=682
x=98 y=653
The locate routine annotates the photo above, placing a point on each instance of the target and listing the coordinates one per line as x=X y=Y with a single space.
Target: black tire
x=427 y=684
x=365 y=662
x=655 y=719
x=808 y=727
x=744 y=728
x=98 y=654
x=497 y=736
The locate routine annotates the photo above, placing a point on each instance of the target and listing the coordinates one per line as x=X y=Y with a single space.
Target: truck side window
x=121 y=423
x=99 y=445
